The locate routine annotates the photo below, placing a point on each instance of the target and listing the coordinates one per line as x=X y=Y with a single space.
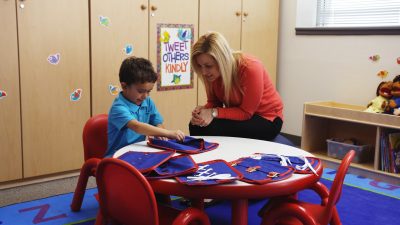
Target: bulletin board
x=174 y=43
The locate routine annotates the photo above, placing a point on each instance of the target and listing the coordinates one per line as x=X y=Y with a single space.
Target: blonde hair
x=215 y=45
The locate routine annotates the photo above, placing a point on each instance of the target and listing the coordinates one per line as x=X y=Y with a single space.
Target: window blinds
x=358 y=13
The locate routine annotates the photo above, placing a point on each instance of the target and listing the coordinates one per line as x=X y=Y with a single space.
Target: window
x=348 y=17
x=358 y=13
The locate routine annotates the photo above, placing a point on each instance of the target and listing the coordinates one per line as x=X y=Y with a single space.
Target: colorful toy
x=380 y=103
x=394 y=102
x=382 y=74
x=374 y=58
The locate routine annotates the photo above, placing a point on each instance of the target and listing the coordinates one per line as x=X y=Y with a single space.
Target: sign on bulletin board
x=173 y=56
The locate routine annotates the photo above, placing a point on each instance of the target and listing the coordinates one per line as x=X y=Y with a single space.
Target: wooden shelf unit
x=324 y=120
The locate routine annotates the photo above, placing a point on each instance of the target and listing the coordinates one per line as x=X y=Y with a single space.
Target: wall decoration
x=54 y=59
x=104 y=21
x=398 y=60
x=374 y=58
x=113 y=89
x=76 y=95
x=128 y=49
x=174 y=44
x=382 y=74
x=3 y=94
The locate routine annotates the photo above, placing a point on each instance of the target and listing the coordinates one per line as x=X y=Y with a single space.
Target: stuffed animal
x=381 y=102
x=394 y=102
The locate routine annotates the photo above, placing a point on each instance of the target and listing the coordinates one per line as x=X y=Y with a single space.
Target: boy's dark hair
x=137 y=70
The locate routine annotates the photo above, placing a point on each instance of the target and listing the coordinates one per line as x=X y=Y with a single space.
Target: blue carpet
x=364 y=201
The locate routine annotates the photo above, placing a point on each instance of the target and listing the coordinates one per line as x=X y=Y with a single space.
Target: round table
x=229 y=149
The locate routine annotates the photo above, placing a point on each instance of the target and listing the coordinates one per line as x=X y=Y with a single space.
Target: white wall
x=328 y=68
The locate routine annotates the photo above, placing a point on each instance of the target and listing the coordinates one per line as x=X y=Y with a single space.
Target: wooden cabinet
x=248 y=25
x=218 y=15
x=260 y=32
x=10 y=116
x=52 y=50
x=115 y=27
x=325 y=120
x=135 y=23
x=174 y=105
x=55 y=31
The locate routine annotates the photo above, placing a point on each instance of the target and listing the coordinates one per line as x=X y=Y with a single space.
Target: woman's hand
x=196 y=118
x=201 y=116
x=206 y=115
x=197 y=110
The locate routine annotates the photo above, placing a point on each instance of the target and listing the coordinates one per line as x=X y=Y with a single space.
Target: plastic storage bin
x=338 y=150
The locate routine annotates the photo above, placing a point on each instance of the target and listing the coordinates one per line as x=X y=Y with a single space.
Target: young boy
x=133 y=115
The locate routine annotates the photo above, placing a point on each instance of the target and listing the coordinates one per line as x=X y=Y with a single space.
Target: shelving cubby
x=325 y=120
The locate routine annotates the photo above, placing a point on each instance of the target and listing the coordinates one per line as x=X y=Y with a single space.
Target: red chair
x=289 y=210
x=127 y=198
x=94 y=145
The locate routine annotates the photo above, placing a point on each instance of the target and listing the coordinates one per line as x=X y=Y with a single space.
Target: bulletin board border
x=172 y=87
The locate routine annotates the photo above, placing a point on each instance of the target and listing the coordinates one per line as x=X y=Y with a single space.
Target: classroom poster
x=174 y=43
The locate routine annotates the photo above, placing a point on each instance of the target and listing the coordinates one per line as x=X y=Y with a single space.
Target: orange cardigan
x=260 y=96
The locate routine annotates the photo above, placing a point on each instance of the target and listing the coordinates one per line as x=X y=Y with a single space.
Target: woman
x=241 y=99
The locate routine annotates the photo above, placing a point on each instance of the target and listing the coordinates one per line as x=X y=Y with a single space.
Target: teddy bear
x=381 y=102
x=394 y=102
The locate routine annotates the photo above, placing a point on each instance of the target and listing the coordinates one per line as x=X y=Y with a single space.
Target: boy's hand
x=176 y=134
x=161 y=138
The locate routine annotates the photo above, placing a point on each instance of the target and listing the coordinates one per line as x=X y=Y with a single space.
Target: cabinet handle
x=245 y=14
x=153 y=8
x=238 y=13
x=22 y=5
x=143 y=7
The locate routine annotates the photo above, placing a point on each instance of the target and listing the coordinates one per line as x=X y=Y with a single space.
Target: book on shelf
x=394 y=151
x=390 y=151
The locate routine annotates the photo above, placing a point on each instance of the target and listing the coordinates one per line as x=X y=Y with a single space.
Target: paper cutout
x=114 y=90
x=375 y=58
x=3 y=94
x=184 y=35
x=382 y=74
x=54 y=59
x=165 y=37
x=104 y=21
x=398 y=60
x=176 y=79
x=128 y=49
x=76 y=95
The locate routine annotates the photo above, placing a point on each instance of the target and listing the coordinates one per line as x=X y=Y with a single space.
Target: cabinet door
x=218 y=15
x=174 y=105
x=55 y=31
x=118 y=29
x=10 y=115
x=222 y=16
x=260 y=32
